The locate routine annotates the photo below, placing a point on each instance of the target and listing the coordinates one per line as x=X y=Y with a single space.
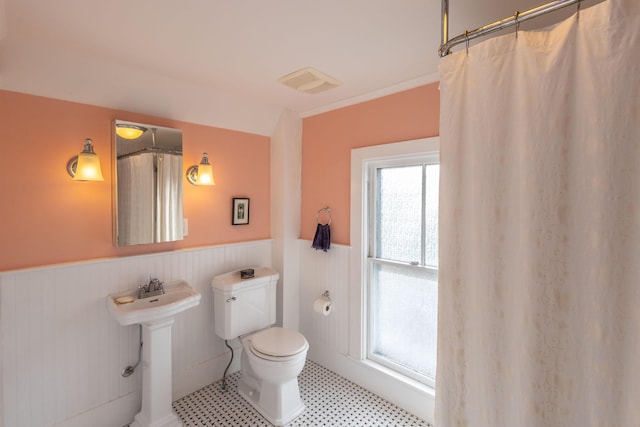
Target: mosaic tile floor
x=330 y=400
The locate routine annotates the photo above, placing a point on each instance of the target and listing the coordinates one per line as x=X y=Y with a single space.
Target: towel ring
x=327 y=210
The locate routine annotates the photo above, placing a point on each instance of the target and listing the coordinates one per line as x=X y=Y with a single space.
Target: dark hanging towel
x=322 y=239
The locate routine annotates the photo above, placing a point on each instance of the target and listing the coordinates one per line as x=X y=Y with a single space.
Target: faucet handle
x=154 y=284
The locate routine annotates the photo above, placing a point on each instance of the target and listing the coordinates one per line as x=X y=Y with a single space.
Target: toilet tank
x=242 y=306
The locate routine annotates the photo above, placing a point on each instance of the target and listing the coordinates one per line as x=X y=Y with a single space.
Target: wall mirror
x=147 y=184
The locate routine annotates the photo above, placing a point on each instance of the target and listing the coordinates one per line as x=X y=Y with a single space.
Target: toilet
x=272 y=357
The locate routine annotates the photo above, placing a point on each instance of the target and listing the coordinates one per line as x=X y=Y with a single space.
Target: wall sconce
x=201 y=174
x=86 y=165
x=129 y=131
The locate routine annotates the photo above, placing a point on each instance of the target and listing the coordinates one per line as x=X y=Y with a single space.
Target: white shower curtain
x=150 y=198
x=169 y=198
x=136 y=193
x=539 y=310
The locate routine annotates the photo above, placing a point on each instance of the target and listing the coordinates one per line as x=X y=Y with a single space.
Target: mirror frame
x=165 y=140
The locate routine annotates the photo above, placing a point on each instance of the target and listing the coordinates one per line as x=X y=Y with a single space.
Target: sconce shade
x=129 y=131
x=88 y=168
x=202 y=174
x=86 y=165
x=205 y=174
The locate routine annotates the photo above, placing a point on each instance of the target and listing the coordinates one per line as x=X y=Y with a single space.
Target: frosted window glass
x=399 y=228
x=404 y=304
x=432 y=180
x=403 y=298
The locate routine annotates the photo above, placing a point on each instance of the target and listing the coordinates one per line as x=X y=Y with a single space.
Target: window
x=402 y=265
x=394 y=226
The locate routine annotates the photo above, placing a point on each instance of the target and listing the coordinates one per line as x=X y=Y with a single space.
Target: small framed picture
x=240 y=214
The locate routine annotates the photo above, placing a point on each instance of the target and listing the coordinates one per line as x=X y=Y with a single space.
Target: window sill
x=403 y=379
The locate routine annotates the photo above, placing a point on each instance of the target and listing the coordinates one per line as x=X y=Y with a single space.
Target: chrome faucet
x=152 y=288
x=154 y=285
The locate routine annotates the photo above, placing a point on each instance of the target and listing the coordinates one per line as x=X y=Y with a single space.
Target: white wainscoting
x=319 y=272
x=62 y=353
x=328 y=336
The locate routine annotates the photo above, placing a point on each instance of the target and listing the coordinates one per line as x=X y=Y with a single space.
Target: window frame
x=372 y=259
x=361 y=158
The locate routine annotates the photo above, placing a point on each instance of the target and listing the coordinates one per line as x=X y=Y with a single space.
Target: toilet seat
x=278 y=344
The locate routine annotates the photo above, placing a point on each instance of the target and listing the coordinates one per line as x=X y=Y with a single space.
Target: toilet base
x=279 y=404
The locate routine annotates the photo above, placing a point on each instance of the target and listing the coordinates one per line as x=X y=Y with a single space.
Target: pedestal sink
x=156 y=315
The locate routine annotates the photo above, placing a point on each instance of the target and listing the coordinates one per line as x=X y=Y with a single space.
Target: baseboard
x=415 y=400
x=208 y=372
x=119 y=412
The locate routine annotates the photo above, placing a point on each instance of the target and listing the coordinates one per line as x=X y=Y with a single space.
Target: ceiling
x=217 y=62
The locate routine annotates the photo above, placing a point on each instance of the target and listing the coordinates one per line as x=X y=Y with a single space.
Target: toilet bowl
x=272 y=359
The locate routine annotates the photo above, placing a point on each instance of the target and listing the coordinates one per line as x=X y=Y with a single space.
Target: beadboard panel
x=62 y=353
x=328 y=336
x=319 y=272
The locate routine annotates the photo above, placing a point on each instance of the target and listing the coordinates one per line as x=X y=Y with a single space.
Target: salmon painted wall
x=47 y=218
x=327 y=140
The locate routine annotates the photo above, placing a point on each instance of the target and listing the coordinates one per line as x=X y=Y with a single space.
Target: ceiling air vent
x=309 y=80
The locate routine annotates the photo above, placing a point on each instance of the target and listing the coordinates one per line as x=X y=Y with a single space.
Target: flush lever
x=232 y=299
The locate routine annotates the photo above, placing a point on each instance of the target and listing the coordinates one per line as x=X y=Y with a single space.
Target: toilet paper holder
x=322 y=305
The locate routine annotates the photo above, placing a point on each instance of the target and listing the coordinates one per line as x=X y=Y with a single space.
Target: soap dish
x=125 y=300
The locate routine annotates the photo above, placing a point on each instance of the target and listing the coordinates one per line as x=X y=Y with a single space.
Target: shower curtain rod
x=151 y=150
x=517 y=18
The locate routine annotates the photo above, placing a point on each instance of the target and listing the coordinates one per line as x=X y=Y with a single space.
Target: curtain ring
x=466 y=40
x=517 y=15
x=578 y=11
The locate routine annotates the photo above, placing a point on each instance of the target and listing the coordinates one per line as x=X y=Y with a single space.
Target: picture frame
x=240 y=211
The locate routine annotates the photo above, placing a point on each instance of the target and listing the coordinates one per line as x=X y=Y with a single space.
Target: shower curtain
x=169 y=198
x=539 y=309
x=149 y=198
x=136 y=193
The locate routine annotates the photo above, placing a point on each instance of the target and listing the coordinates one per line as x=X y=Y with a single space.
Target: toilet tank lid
x=232 y=280
x=279 y=342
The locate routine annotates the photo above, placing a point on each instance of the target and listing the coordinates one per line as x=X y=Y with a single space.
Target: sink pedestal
x=156 y=377
x=156 y=315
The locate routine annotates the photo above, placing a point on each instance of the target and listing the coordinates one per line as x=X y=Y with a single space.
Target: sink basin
x=178 y=296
